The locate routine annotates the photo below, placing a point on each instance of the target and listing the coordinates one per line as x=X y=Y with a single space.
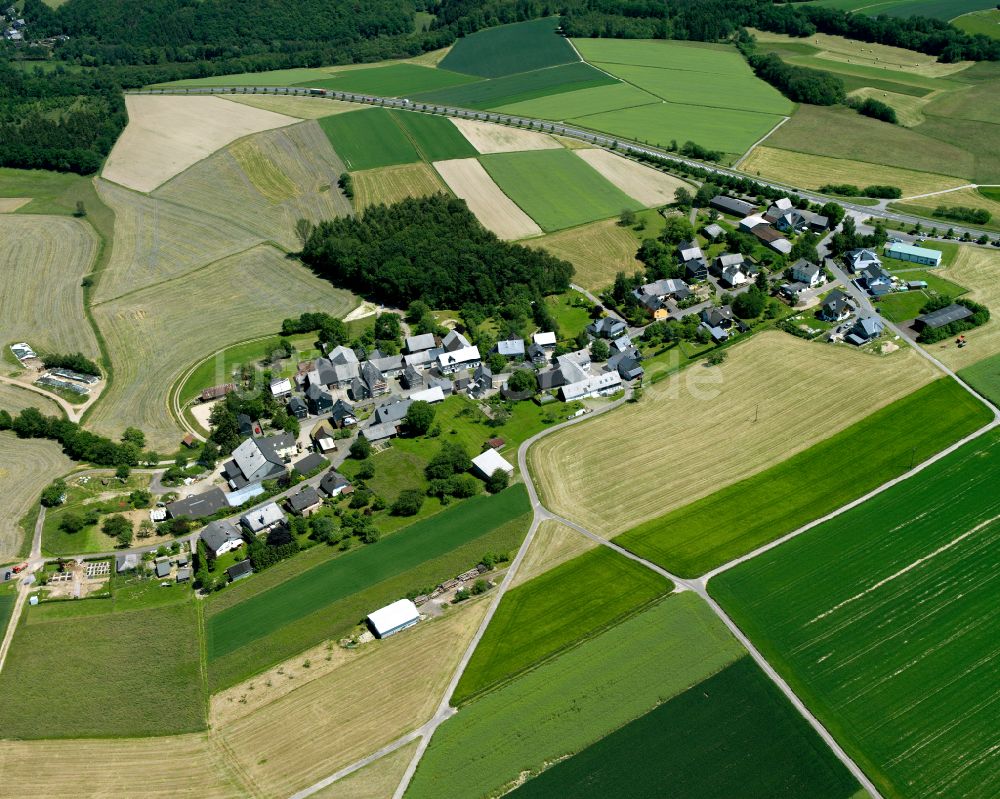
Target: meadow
x=984 y=22
x=598 y=252
x=771 y=503
x=967 y=198
x=299 y=106
x=567 y=105
x=348 y=711
x=508 y=49
x=8 y=598
x=394 y=80
x=368 y=139
x=390 y=184
x=984 y=377
x=151 y=685
x=575 y=699
x=436 y=138
x=166 y=328
x=553 y=612
x=771 y=416
x=43 y=260
x=265 y=183
x=520 y=87
x=732 y=735
x=888 y=612
x=556 y=188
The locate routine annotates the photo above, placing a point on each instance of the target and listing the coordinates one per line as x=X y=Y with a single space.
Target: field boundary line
x=12 y=623
x=935 y=193
x=759 y=142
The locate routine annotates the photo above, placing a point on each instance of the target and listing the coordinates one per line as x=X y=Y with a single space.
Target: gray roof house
x=319 y=400
x=127 y=561
x=607 y=327
x=393 y=411
x=806 y=272
x=221 y=537
x=199 y=506
x=425 y=341
x=730 y=205
x=374 y=382
x=258 y=459
x=310 y=463
x=689 y=251
x=239 y=571
x=943 y=316
x=162 y=568
x=297 y=407
x=511 y=348
x=333 y=483
x=454 y=341
x=714 y=231
x=389 y=365
x=262 y=518
x=836 y=307
x=379 y=432
x=342 y=414
x=411 y=378
x=864 y=330
x=718 y=317
x=629 y=368
x=305 y=502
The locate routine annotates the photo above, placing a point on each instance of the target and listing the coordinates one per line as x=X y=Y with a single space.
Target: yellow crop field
x=295 y=106
x=156 y=240
x=643 y=183
x=376 y=781
x=813 y=171
x=909 y=109
x=179 y=766
x=554 y=543
x=384 y=690
x=26 y=467
x=598 y=252
x=696 y=432
x=391 y=184
x=977 y=269
x=154 y=334
x=42 y=261
x=265 y=183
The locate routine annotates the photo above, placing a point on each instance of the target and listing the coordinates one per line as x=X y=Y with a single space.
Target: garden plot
x=166 y=134
x=489 y=138
x=26 y=467
x=267 y=182
x=647 y=185
x=43 y=260
x=469 y=181
x=698 y=411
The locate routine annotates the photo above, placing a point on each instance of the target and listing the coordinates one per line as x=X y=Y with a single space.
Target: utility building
x=392 y=618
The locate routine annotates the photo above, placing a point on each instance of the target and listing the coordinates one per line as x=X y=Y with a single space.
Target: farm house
x=392 y=618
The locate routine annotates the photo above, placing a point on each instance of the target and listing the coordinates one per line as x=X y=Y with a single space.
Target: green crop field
x=368 y=138
x=718 y=59
x=508 y=49
x=745 y=515
x=554 y=610
x=80 y=674
x=520 y=87
x=984 y=377
x=7 y=599
x=555 y=188
x=396 y=80
x=582 y=102
x=885 y=621
x=436 y=138
x=732 y=735
x=575 y=699
x=937 y=9
x=273 y=77
x=331 y=597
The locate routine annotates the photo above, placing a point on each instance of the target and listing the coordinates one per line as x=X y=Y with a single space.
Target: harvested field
x=10 y=204
x=265 y=183
x=348 y=713
x=553 y=545
x=166 y=134
x=889 y=611
x=295 y=106
x=785 y=375
x=162 y=330
x=185 y=766
x=813 y=171
x=42 y=260
x=391 y=184
x=26 y=467
x=573 y=700
x=376 y=781
x=645 y=184
x=14 y=400
x=977 y=269
x=909 y=109
x=489 y=138
x=157 y=240
x=969 y=198
x=469 y=181
x=598 y=252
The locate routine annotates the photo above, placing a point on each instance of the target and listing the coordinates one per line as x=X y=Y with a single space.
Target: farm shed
x=917 y=255
x=490 y=461
x=730 y=205
x=392 y=618
x=239 y=571
x=943 y=316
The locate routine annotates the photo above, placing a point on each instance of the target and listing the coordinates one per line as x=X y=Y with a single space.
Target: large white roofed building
x=392 y=618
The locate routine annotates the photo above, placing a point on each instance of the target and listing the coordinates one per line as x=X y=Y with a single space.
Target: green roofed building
x=918 y=255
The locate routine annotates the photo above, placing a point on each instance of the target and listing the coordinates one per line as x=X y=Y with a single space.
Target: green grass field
x=884 y=621
x=555 y=188
x=81 y=672
x=273 y=77
x=368 y=138
x=707 y=533
x=582 y=102
x=985 y=22
x=574 y=700
x=902 y=306
x=8 y=597
x=520 y=87
x=509 y=49
x=984 y=377
x=732 y=735
x=555 y=610
x=333 y=596
x=395 y=80
x=937 y=9
x=435 y=138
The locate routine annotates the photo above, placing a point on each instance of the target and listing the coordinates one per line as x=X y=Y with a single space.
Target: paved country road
x=591 y=137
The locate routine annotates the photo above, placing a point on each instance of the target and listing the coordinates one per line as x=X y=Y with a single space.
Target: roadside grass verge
x=507 y=49
x=555 y=610
x=890 y=610
x=368 y=138
x=707 y=533
x=574 y=700
x=556 y=188
x=133 y=673
x=734 y=734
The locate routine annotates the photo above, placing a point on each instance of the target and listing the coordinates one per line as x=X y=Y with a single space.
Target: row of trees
x=961 y=213
x=77 y=443
x=77 y=362
x=850 y=190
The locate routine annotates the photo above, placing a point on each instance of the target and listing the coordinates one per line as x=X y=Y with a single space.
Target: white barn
x=489 y=462
x=392 y=618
